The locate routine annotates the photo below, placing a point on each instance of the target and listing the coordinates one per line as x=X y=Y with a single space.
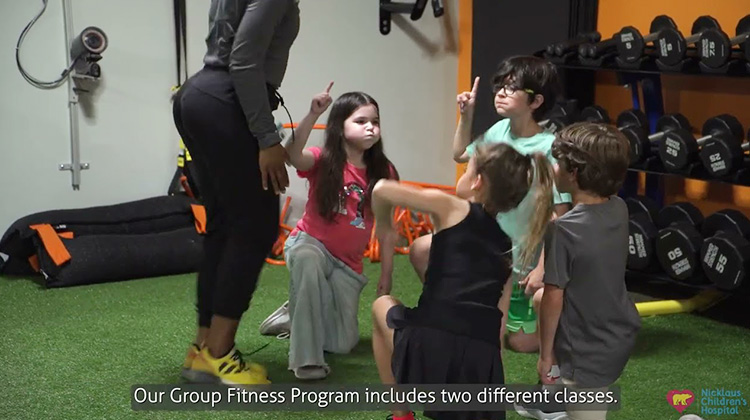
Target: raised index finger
x=330 y=85
x=476 y=85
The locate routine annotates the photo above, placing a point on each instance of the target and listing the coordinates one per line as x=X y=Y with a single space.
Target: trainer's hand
x=466 y=100
x=271 y=161
x=321 y=101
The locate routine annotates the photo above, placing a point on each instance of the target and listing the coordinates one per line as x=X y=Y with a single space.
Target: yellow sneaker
x=192 y=375
x=229 y=370
x=187 y=366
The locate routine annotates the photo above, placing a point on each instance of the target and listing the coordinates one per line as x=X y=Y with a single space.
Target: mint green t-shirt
x=515 y=223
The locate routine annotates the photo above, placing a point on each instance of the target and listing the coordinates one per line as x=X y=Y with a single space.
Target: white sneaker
x=311 y=373
x=532 y=413
x=278 y=322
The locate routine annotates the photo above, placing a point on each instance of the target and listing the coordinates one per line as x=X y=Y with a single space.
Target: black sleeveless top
x=469 y=264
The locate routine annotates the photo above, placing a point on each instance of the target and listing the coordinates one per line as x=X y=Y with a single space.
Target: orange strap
x=315 y=126
x=66 y=235
x=199 y=212
x=52 y=244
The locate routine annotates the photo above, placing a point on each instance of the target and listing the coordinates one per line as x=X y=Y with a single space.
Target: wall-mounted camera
x=86 y=50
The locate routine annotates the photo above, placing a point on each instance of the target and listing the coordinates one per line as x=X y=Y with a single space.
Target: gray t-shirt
x=585 y=253
x=252 y=38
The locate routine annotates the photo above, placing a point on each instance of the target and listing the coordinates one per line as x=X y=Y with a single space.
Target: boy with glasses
x=525 y=90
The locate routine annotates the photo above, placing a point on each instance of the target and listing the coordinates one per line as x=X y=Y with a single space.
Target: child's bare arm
x=301 y=158
x=504 y=306
x=533 y=281
x=561 y=209
x=447 y=209
x=549 y=316
x=462 y=138
x=387 y=250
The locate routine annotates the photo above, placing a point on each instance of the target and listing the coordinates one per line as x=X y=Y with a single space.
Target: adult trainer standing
x=223 y=114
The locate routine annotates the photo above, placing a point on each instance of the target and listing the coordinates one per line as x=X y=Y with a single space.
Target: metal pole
x=75 y=159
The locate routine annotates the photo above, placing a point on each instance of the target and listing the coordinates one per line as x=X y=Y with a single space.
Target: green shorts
x=521 y=315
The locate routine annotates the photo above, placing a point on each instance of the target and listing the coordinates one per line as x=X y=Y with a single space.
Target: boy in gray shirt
x=588 y=322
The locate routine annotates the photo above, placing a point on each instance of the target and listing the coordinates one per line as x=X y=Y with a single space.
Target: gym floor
x=74 y=353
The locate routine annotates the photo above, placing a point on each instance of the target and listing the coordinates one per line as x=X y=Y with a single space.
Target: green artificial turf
x=74 y=353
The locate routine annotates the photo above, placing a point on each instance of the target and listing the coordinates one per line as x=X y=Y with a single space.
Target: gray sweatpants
x=323 y=302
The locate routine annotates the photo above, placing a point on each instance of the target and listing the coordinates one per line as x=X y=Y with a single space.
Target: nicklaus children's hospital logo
x=711 y=401
x=680 y=400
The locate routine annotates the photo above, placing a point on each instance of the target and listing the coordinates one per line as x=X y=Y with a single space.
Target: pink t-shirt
x=347 y=236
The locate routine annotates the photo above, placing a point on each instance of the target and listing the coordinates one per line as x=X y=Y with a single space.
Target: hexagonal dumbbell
x=642 y=232
x=724 y=155
x=679 y=242
x=598 y=49
x=680 y=148
x=643 y=145
x=559 y=116
x=631 y=118
x=716 y=48
x=672 y=47
x=725 y=254
x=631 y=45
x=561 y=48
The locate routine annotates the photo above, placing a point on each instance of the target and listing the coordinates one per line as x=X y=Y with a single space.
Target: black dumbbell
x=633 y=124
x=679 y=242
x=559 y=116
x=672 y=47
x=631 y=118
x=642 y=232
x=679 y=147
x=595 y=113
x=724 y=155
x=642 y=144
x=631 y=45
x=597 y=49
x=715 y=46
x=725 y=254
x=560 y=48
x=721 y=157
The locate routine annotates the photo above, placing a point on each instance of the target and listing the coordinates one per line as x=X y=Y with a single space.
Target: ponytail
x=542 y=206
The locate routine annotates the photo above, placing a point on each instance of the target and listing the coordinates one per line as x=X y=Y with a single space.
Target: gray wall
x=127 y=132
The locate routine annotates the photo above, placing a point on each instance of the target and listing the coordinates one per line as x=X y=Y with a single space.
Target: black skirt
x=423 y=355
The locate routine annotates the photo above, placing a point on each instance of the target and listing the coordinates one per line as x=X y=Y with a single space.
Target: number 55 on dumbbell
x=725 y=254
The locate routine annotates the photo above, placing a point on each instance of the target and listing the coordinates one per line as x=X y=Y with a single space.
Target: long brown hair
x=510 y=175
x=333 y=159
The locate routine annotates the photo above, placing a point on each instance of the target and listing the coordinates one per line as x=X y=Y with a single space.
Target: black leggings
x=242 y=218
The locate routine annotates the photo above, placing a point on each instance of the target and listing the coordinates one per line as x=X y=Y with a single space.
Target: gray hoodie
x=252 y=38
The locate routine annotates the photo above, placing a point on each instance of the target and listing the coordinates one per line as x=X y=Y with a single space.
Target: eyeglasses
x=509 y=90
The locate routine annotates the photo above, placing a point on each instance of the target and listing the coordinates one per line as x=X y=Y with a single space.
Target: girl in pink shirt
x=324 y=252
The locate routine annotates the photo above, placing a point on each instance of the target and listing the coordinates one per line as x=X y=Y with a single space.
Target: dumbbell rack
x=695 y=170
x=644 y=77
x=646 y=65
